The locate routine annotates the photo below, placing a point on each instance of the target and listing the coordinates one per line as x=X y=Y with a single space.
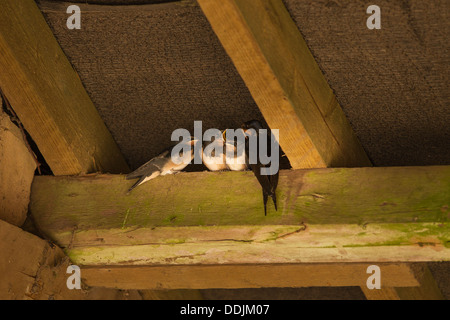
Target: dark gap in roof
x=44 y=168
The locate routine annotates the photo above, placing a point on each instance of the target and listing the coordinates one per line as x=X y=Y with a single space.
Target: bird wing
x=155 y=164
x=263 y=180
x=269 y=183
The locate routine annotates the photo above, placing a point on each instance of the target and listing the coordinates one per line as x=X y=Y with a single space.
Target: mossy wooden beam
x=285 y=81
x=48 y=96
x=324 y=215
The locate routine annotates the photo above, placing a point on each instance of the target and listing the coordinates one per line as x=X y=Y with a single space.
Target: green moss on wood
x=322 y=196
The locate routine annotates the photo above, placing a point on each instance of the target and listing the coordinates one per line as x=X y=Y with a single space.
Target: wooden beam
x=324 y=215
x=385 y=293
x=17 y=168
x=285 y=81
x=162 y=294
x=49 y=98
x=243 y=276
x=426 y=289
x=24 y=258
x=34 y=269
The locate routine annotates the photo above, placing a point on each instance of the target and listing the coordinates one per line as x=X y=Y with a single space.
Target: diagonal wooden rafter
x=48 y=96
x=285 y=81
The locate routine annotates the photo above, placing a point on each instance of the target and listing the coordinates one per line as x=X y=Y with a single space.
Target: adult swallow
x=268 y=182
x=164 y=164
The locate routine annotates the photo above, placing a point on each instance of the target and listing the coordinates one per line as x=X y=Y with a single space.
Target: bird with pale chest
x=225 y=153
x=164 y=163
x=235 y=150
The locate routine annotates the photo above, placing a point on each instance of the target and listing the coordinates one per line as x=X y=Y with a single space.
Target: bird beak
x=193 y=142
x=224 y=135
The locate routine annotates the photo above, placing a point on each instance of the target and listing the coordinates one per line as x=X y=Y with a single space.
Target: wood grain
x=285 y=81
x=242 y=276
x=49 y=98
x=426 y=289
x=324 y=215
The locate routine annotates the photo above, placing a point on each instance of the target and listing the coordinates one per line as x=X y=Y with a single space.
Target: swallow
x=235 y=155
x=231 y=155
x=214 y=161
x=268 y=182
x=163 y=164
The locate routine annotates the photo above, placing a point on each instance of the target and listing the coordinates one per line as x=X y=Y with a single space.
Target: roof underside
x=152 y=68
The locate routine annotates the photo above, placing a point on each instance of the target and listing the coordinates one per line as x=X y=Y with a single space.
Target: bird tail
x=274 y=198
x=265 y=197
x=144 y=179
x=136 y=184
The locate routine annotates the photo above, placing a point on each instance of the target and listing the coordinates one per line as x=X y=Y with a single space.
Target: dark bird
x=163 y=164
x=268 y=182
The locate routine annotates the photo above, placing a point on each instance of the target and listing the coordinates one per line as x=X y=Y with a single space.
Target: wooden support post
x=285 y=81
x=359 y=215
x=385 y=293
x=238 y=276
x=25 y=262
x=48 y=96
x=426 y=289
x=17 y=167
x=34 y=269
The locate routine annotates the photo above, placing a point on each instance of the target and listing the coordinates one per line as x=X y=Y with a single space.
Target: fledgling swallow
x=268 y=182
x=236 y=158
x=163 y=164
x=230 y=156
x=214 y=161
